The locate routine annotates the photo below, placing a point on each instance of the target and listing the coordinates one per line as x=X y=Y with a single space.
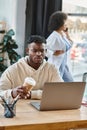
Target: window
x=77 y=23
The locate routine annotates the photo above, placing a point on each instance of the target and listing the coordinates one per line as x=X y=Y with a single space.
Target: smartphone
x=66 y=30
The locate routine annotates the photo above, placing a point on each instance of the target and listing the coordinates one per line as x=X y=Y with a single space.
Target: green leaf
x=10 y=32
x=1 y=59
x=4 y=48
x=6 y=38
x=2 y=67
x=11 y=51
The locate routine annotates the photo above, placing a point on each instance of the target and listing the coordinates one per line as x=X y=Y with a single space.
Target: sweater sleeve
x=6 y=94
x=5 y=85
x=36 y=94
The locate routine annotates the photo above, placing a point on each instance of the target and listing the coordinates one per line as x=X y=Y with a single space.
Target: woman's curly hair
x=56 y=20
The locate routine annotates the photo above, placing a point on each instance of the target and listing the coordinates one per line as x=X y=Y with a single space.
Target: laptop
x=60 y=96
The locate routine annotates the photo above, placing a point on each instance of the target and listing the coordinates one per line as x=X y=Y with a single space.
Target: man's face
x=36 y=52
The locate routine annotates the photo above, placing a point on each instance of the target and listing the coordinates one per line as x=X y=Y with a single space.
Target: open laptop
x=61 y=96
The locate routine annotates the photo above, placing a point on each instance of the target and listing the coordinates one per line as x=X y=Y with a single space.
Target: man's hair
x=36 y=39
x=56 y=20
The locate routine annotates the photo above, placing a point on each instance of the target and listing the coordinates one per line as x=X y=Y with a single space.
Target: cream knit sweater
x=15 y=74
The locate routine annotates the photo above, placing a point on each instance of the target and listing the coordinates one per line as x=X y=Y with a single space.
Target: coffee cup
x=28 y=84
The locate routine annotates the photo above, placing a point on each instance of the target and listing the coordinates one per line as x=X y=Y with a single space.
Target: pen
x=15 y=100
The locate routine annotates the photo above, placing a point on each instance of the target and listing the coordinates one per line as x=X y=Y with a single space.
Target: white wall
x=13 y=12
x=20 y=24
x=8 y=12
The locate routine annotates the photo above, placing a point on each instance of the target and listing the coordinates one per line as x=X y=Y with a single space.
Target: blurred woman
x=58 y=44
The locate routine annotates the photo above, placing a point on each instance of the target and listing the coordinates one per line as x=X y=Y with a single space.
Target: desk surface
x=28 y=118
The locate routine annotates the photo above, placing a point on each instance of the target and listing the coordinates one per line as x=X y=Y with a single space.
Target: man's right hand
x=20 y=90
x=17 y=91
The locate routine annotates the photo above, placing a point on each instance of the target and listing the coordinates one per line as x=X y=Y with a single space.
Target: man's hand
x=20 y=90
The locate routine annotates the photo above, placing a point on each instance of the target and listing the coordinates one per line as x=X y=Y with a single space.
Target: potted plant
x=7 y=47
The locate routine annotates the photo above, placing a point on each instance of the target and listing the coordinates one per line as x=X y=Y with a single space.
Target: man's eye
x=34 y=50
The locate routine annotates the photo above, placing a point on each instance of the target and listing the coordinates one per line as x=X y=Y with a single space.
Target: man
x=33 y=65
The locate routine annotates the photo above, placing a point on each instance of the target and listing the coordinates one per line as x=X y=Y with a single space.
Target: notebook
x=60 y=96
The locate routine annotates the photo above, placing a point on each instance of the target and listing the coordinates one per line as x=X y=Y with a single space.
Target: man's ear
x=27 y=50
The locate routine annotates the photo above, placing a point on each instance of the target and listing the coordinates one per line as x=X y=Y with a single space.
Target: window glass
x=77 y=23
x=75 y=6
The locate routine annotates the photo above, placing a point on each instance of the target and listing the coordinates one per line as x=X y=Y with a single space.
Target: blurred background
x=28 y=17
